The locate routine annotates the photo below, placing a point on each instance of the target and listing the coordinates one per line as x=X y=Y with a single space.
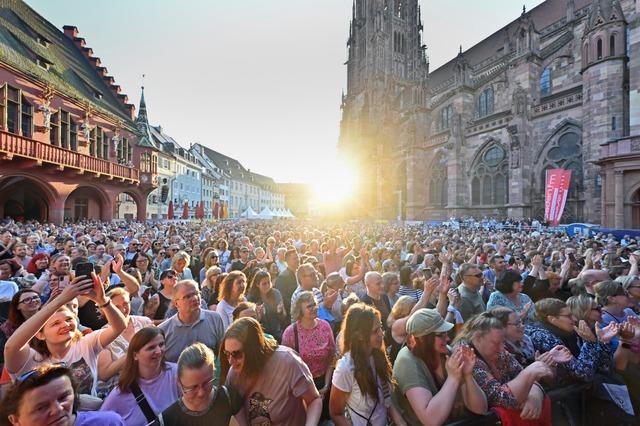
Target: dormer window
x=42 y=41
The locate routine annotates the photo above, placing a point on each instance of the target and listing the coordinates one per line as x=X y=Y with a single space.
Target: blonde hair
x=181 y=255
x=580 y=305
x=402 y=308
x=478 y=326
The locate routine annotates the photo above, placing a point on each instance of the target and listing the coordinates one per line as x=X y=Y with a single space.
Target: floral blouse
x=493 y=381
x=316 y=346
x=499 y=299
x=593 y=357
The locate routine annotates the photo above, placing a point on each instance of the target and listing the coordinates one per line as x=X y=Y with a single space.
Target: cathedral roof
x=603 y=11
x=543 y=16
x=34 y=46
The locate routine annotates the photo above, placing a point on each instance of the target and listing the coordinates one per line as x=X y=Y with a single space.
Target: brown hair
x=254 y=290
x=356 y=332
x=43 y=375
x=130 y=373
x=227 y=284
x=424 y=350
x=15 y=317
x=548 y=307
x=40 y=345
x=257 y=350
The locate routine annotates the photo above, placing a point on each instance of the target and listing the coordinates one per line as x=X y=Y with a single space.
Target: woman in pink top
x=313 y=339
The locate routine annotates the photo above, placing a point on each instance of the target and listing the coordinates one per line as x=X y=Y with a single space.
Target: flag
x=170 y=211
x=216 y=208
x=185 y=210
x=557 y=189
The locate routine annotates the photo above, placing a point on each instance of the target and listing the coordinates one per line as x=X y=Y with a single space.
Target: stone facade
x=556 y=88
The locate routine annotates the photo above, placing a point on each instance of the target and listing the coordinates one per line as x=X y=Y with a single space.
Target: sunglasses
x=36 y=373
x=233 y=354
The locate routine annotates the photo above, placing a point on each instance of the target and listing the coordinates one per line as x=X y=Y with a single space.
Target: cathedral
x=558 y=87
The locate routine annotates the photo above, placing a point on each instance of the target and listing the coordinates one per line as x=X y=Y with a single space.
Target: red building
x=68 y=142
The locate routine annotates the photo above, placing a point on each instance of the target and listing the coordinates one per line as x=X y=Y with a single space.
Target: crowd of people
x=301 y=323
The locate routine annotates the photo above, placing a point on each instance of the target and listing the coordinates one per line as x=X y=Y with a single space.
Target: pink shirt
x=316 y=346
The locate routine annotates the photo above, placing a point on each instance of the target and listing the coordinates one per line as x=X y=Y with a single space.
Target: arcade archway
x=23 y=198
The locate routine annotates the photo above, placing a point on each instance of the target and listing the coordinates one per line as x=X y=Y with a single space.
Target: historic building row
x=71 y=146
x=556 y=88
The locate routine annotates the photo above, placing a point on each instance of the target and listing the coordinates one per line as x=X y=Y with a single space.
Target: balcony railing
x=15 y=145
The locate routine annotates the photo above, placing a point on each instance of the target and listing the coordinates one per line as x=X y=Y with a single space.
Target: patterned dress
x=493 y=381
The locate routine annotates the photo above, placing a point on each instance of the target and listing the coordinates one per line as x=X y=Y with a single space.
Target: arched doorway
x=84 y=203
x=23 y=198
x=125 y=207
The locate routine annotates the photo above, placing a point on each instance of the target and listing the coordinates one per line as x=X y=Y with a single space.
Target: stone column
x=56 y=210
x=619 y=199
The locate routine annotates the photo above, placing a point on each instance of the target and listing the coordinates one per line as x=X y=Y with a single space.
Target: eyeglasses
x=189 y=296
x=478 y=275
x=206 y=385
x=36 y=372
x=29 y=299
x=515 y=324
x=234 y=354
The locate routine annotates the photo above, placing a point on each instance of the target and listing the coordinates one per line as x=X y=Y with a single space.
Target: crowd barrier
x=557 y=396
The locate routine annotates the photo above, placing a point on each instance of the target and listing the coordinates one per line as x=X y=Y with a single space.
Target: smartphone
x=63 y=282
x=84 y=269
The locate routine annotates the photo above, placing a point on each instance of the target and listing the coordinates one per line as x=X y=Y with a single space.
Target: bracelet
x=105 y=304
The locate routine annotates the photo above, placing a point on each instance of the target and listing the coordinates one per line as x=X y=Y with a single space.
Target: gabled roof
x=266 y=182
x=205 y=161
x=27 y=37
x=228 y=165
x=542 y=16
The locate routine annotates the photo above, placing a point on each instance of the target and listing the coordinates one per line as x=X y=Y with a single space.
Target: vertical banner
x=557 y=189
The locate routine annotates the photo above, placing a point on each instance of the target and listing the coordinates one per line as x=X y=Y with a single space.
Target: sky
x=257 y=80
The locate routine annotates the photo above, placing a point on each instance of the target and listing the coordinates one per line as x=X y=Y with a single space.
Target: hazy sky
x=258 y=80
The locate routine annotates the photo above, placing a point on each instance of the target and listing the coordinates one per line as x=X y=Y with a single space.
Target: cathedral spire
x=142 y=121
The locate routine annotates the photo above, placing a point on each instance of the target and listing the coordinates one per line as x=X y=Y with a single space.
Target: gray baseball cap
x=426 y=321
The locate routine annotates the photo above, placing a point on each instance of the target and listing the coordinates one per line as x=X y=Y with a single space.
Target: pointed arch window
x=545 y=82
x=489 y=178
x=438 y=184
x=612 y=45
x=446 y=115
x=565 y=152
x=599 y=49
x=485 y=102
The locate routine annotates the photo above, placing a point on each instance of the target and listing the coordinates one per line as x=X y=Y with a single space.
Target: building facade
x=68 y=144
x=556 y=88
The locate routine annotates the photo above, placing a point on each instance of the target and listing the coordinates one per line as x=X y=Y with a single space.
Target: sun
x=335 y=188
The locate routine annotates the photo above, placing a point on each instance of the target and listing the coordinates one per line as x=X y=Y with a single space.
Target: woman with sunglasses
x=24 y=304
x=210 y=260
x=615 y=305
x=362 y=380
x=269 y=301
x=431 y=386
x=276 y=384
x=48 y=395
x=148 y=383
x=201 y=402
x=54 y=335
x=208 y=286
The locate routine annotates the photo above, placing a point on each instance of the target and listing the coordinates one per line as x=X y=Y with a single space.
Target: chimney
x=70 y=31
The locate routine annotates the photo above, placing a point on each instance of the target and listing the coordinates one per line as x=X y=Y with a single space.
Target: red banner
x=557 y=189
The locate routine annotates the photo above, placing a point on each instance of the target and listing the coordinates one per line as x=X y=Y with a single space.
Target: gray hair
x=196 y=356
x=296 y=308
x=181 y=284
x=371 y=275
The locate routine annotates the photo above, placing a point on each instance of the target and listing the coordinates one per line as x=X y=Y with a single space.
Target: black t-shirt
x=226 y=403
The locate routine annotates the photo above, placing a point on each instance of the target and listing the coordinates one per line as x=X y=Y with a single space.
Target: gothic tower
x=387 y=71
x=605 y=100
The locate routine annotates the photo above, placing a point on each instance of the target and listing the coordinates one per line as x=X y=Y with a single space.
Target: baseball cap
x=626 y=280
x=426 y=321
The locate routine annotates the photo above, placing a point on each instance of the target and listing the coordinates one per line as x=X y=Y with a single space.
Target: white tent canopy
x=277 y=213
x=288 y=213
x=249 y=213
x=266 y=214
